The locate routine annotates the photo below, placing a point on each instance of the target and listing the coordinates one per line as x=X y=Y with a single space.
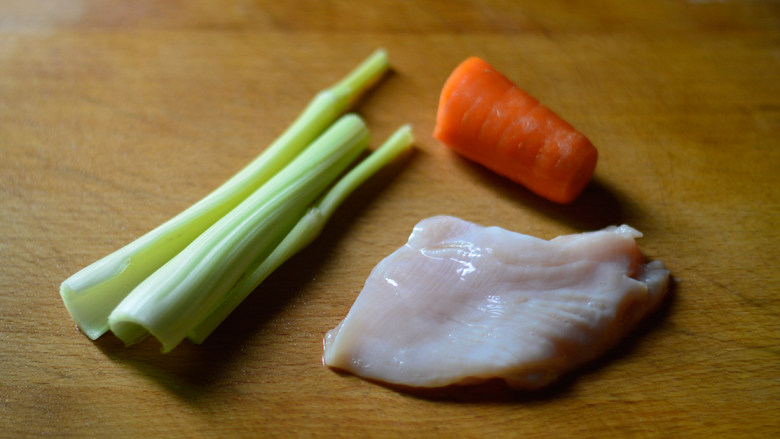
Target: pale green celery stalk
x=176 y=297
x=92 y=293
x=307 y=229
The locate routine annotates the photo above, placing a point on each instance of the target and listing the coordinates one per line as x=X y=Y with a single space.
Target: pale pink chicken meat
x=460 y=303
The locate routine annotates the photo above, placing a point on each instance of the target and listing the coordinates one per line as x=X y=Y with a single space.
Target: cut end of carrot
x=486 y=118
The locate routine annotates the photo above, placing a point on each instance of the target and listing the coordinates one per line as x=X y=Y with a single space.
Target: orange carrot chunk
x=488 y=119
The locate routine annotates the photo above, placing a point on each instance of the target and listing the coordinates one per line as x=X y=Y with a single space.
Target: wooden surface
x=115 y=116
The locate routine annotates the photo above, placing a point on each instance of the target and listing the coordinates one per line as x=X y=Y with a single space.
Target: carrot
x=486 y=118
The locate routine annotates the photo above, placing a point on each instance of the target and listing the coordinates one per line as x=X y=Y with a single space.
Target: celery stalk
x=307 y=229
x=91 y=294
x=177 y=296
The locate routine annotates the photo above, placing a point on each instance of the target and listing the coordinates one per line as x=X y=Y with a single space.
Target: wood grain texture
x=115 y=116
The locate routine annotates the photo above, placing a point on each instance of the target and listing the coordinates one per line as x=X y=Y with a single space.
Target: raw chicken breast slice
x=461 y=303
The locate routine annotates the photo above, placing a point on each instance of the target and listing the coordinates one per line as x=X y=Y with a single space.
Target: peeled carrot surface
x=486 y=118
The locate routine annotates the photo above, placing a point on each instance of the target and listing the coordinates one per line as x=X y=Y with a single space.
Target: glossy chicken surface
x=460 y=303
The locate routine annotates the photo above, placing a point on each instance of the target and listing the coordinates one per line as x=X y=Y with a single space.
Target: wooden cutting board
x=115 y=116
